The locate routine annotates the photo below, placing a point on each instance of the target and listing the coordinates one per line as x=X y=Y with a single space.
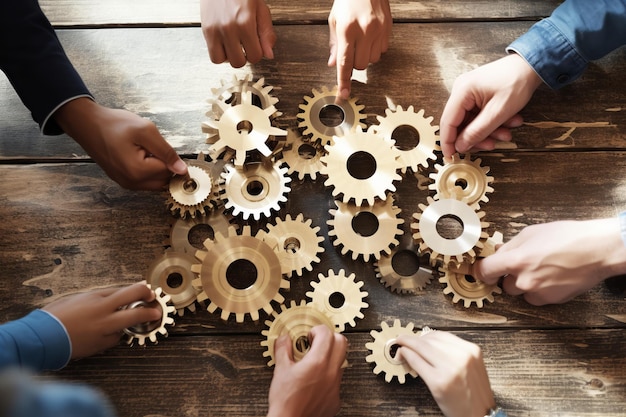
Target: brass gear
x=302 y=157
x=466 y=288
x=182 y=229
x=340 y=297
x=297 y=243
x=462 y=179
x=295 y=321
x=314 y=127
x=171 y=272
x=230 y=92
x=361 y=166
x=247 y=262
x=191 y=194
x=149 y=331
x=406 y=280
x=365 y=230
x=425 y=149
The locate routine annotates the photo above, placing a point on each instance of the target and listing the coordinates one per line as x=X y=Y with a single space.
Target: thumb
x=156 y=145
x=490 y=269
x=283 y=354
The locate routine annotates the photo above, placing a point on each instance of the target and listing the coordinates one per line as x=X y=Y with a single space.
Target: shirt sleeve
x=35 y=63
x=36 y=342
x=560 y=47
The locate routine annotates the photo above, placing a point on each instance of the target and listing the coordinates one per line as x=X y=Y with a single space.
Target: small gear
x=171 y=272
x=365 y=230
x=183 y=229
x=255 y=189
x=401 y=271
x=297 y=243
x=295 y=321
x=311 y=120
x=459 y=248
x=491 y=244
x=149 y=330
x=462 y=179
x=426 y=146
x=382 y=353
x=361 y=166
x=466 y=288
x=340 y=297
x=302 y=157
x=231 y=92
x=191 y=194
x=240 y=274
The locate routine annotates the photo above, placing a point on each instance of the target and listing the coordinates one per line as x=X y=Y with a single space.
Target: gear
x=466 y=288
x=361 y=166
x=255 y=190
x=240 y=274
x=191 y=194
x=172 y=273
x=295 y=321
x=491 y=244
x=460 y=248
x=149 y=330
x=297 y=243
x=426 y=146
x=230 y=93
x=382 y=351
x=183 y=229
x=313 y=108
x=365 y=230
x=462 y=179
x=302 y=156
x=401 y=271
x=340 y=297
x=243 y=127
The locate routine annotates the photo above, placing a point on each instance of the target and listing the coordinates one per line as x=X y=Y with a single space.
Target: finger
x=459 y=104
x=215 y=47
x=537 y=299
x=151 y=140
x=515 y=121
x=345 y=62
x=130 y=317
x=332 y=59
x=234 y=52
x=283 y=354
x=266 y=32
x=424 y=369
x=491 y=268
x=321 y=341
x=482 y=126
x=124 y=296
x=509 y=284
x=376 y=51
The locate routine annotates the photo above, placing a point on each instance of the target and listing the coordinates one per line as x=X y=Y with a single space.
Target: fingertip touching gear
x=462 y=179
x=149 y=331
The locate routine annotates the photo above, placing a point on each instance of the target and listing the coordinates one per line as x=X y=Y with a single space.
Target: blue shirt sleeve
x=36 y=342
x=560 y=47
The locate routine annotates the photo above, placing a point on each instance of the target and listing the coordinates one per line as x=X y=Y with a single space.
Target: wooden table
x=68 y=228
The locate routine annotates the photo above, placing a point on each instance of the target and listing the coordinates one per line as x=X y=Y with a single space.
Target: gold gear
x=230 y=93
x=466 y=288
x=401 y=280
x=149 y=331
x=302 y=156
x=181 y=229
x=171 y=272
x=243 y=259
x=462 y=179
x=191 y=194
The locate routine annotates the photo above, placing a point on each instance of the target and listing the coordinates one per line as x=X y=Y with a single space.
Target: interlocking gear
x=182 y=229
x=171 y=272
x=240 y=274
x=340 y=297
x=295 y=321
x=459 y=249
x=312 y=123
x=424 y=150
x=462 y=179
x=467 y=288
x=231 y=92
x=365 y=230
x=401 y=271
x=361 y=166
x=297 y=243
x=192 y=194
x=254 y=190
x=302 y=157
x=149 y=330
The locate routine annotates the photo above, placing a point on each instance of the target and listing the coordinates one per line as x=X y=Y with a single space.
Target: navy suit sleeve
x=35 y=63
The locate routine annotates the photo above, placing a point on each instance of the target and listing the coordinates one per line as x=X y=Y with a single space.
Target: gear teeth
x=462 y=179
x=381 y=354
x=466 y=288
x=191 y=196
x=141 y=334
x=166 y=271
x=404 y=282
x=302 y=157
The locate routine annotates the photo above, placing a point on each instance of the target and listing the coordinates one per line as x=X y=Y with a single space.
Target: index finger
x=130 y=294
x=345 y=63
x=452 y=117
x=490 y=269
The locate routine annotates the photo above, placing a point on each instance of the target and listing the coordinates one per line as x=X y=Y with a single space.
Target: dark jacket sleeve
x=35 y=63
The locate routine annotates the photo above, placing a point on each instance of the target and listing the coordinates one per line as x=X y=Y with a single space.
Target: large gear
x=192 y=194
x=365 y=230
x=240 y=274
x=361 y=166
x=302 y=157
x=467 y=288
x=311 y=111
x=149 y=331
x=461 y=248
x=462 y=179
x=340 y=297
x=255 y=189
x=171 y=272
x=297 y=243
x=231 y=92
x=401 y=271
x=295 y=321
x=382 y=353
x=418 y=155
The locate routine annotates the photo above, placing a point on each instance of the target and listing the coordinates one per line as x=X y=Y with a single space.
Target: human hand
x=127 y=147
x=309 y=387
x=94 y=320
x=484 y=104
x=554 y=262
x=359 y=34
x=237 y=31
x=453 y=369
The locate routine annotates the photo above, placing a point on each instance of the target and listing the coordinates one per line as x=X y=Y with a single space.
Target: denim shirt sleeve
x=36 y=342
x=560 y=47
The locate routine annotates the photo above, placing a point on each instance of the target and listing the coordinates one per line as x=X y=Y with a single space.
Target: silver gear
x=302 y=157
x=403 y=281
x=344 y=227
x=466 y=288
x=297 y=243
x=183 y=228
x=191 y=194
x=171 y=272
x=255 y=190
x=462 y=179
x=424 y=150
x=361 y=166
x=314 y=127
x=149 y=331
x=224 y=260
x=349 y=303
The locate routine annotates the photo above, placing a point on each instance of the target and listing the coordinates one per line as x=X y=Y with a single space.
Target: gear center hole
x=336 y=299
x=149 y=326
x=461 y=183
x=302 y=344
x=450 y=226
x=190 y=186
x=391 y=350
x=198 y=234
x=365 y=224
x=254 y=187
x=405 y=262
x=332 y=115
x=407 y=137
x=174 y=280
x=361 y=165
x=291 y=245
x=241 y=274
x=306 y=151
x=244 y=126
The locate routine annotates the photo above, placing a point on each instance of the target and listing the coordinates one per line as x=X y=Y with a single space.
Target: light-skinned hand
x=484 y=104
x=237 y=31
x=309 y=387
x=359 y=34
x=127 y=147
x=94 y=320
x=453 y=369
